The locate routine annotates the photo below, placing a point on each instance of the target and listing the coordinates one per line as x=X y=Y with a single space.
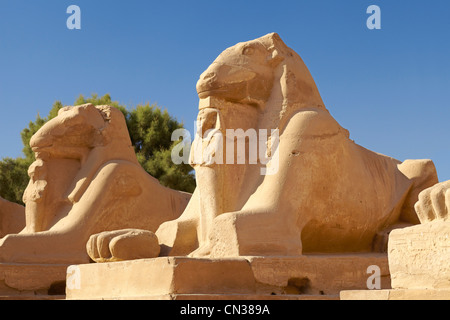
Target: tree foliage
x=150 y=130
x=13 y=178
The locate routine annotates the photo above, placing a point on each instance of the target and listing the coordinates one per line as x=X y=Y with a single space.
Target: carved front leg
x=252 y=233
x=121 y=245
x=180 y=237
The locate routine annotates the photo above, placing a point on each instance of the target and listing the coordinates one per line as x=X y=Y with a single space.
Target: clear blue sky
x=389 y=87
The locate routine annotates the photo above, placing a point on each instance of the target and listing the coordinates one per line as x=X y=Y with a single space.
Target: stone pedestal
x=419 y=257
x=245 y=278
x=419 y=261
x=396 y=294
x=32 y=282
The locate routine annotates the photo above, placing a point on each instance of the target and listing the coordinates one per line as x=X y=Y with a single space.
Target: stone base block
x=225 y=297
x=419 y=256
x=32 y=282
x=244 y=278
x=397 y=294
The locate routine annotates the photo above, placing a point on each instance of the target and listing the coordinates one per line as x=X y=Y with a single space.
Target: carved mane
x=293 y=87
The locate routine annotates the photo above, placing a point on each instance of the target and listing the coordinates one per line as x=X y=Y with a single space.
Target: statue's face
x=38 y=182
x=208 y=148
x=242 y=73
x=217 y=136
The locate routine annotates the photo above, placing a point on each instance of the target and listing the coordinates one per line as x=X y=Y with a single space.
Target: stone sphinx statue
x=326 y=195
x=85 y=180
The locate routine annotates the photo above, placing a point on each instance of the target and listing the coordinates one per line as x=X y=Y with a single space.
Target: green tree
x=13 y=178
x=150 y=130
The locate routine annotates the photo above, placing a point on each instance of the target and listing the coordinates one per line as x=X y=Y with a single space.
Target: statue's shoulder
x=312 y=122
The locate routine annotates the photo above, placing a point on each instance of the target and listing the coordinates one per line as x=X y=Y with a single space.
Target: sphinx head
x=244 y=72
x=263 y=73
x=77 y=130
